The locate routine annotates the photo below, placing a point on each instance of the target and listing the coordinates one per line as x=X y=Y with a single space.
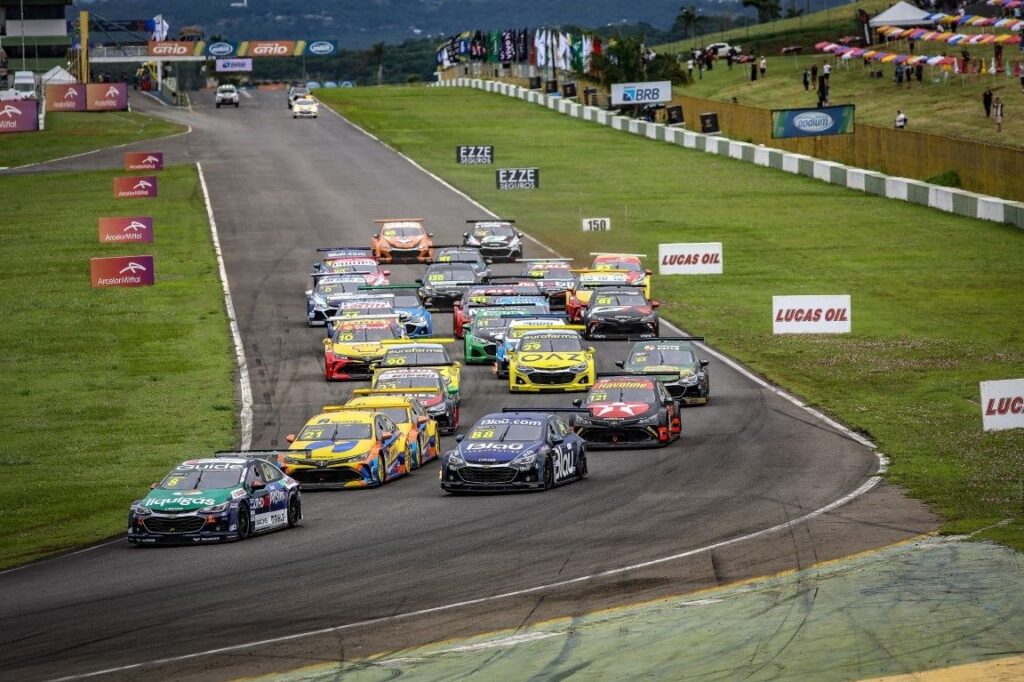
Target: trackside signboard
x=517 y=178
x=690 y=259
x=836 y=120
x=811 y=314
x=106 y=97
x=474 y=154
x=122 y=271
x=137 y=229
x=65 y=97
x=1002 y=404
x=135 y=187
x=143 y=161
x=19 y=116
x=597 y=224
x=653 y=92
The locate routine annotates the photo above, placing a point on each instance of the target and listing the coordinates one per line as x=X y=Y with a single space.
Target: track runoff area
x=727 y=481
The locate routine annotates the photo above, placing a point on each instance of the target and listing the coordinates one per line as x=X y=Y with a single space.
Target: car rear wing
x=609 y=253
x=498 y=304
x=419 y=339
x=490 y=220
x=542 y=260
x=348 y=250
x=368 y=318
x=539 y=316
x=594 y=271
x=625 y=374
x=564 y=328
x=450 y=363
x=613 y=285
x=666 y=338
x=512 y=278
x=577 y=410
x=397 y=391
x=385 y=287
x=400 y=220
x=348 y=408
x=271 y=456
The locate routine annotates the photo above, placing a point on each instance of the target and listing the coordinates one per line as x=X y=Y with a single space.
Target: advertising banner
x=135 y=187
x=65 y=97
x=837 y=120
x=709 y=123
x=597 y=224
x=221 y=48
x=143 y=161
x=232 y=65
x=811 y=314
x=271 y=48
x=474 y=154
x=19 y=116
x=1002 y=404
x=122 y=271
x=321 y=48
x=517 y=178
x=704 y=258
x=175 y=48
x=106 y=96
x=120 y=230
x=653 y=92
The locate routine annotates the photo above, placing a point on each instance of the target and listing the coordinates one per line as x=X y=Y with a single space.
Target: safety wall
x=948 y=199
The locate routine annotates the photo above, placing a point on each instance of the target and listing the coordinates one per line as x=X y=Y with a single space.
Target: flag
x=493 y=46
x=577 y=52
x=523 y=46
x=508 y=45
x=160 y=28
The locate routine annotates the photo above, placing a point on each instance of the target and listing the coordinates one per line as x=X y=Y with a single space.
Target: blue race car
x=328 y=291
x=223 y=498
x=330 y=253
x=413 y=315
x=516 y=449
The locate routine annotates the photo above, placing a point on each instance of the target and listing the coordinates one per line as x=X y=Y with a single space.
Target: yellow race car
x=577 y=296
x=554 y=359
x=416 y=353
x=346 y=448
x=418 y=429
x=356 y=343
x=627 y=262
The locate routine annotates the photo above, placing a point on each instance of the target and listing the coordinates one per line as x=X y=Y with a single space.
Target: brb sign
x=517 y=178
x=1002 y=404
x=811 y=314
x=653 y=92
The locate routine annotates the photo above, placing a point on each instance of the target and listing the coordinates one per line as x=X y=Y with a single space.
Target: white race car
x=305 y=107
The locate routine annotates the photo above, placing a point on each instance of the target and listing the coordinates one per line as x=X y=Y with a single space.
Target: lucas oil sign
x=1002 y=404
x=474 y=154
x=653 y=92
x=811 y=314
x=690 y=259
x=517 y=178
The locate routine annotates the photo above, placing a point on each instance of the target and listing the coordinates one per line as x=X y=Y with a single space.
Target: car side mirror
x=327 y=342
x=590 y=349
x=648 y=272
x=290 y=438
x=555 y=440
x=577 y=402
x=386 y=273
x=430 y=234
x=459 y=438
x=519 y=234
x=309 y=292
x=258 y=485
x=317 y=266
x=419 y=281
x=386 y=435
x=488 y=260
x=620 y=364
x=703 y=363
x=655 y=304
x=465 y=234
x=422 y=420
x=153 y=485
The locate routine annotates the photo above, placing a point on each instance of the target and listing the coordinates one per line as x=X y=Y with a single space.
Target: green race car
x=487 y=330
x=674 y=361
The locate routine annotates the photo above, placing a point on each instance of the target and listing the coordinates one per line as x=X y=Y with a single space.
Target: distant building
x=37 y=39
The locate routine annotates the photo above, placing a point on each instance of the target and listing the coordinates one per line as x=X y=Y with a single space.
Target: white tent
x=58 y=76
x=901 y=14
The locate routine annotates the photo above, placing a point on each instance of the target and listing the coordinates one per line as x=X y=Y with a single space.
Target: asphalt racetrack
x=363 y=561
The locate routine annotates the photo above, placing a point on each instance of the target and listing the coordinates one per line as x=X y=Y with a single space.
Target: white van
x=25 y=85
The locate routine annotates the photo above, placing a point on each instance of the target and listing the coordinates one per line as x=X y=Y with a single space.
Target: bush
x=950 y=178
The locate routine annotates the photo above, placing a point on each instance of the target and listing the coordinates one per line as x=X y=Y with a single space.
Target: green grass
x=936 y=297
x=70 y=133
x=103 y=390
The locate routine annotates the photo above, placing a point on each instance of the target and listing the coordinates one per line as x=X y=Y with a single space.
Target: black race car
x=620 y=312
x=674 y=362
x=444 y=283
x=497 y=239
x=554 y=277
x=461 y=254
x=627 y=412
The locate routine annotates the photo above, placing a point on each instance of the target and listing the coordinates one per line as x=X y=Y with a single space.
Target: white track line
x=867 y=485
x=101 y=149
x=245 y=387
x=62 y=556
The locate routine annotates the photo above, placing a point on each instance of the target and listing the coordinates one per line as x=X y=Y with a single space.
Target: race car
x=480 y=344
x=342 y=448
x=444 y=283
x=425 y=384
x=413 y=315
x=626 y=262
x=360 y=304
x=322 y=300
x=515 y=450
x=620 y=313
x=461 y=254
x=355 y=345
x=554 y=277
x=551 y=360
x=359 y=265
x=402 y=240
x=333 y=253
x=627 y=412
x=515 y=330
x=467 y=307
x=421 y=353
x=497 y=239
x=578 y=295
x=305 y=107
x=495 y=286
x=418 y=429
x=674 y=362
x=227 y=497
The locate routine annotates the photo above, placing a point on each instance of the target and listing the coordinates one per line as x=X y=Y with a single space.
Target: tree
x=626 y=59
x=687 y=21
x=793 y=11
x=377 y=52
x=767 y=10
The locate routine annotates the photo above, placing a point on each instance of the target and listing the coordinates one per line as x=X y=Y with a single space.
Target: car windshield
x=493 y=231
x=506 y=430
x=450 y=274
x=520 y=329
x=339 y=431
x=621 y=392
x=407 y=299
x=426 y=383
x=399 y=415
x=489 y=322
x=402 y=231
x=618 y=299
x=226 y=89
x=397 y=357
x=299 y=92
x=348 y=334
x=536 y=343
x=305 y=101
x=203 y=476
x=551 y=273
x=328 y=288
x=458 y=256
x=630 y=265
x=361 y=268
x=660 y=356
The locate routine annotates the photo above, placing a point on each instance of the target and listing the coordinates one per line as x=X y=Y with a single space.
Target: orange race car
x=402 y=240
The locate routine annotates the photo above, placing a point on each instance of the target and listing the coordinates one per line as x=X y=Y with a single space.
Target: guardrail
x=121 y=51
x=948 y=199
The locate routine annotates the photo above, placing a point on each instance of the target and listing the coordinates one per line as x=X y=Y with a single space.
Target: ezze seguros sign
x=517 y=178
x=474 y=154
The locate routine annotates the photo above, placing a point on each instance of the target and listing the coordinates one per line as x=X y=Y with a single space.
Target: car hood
x=552 y=360
x=404 y=242
x=333 y=449
x=619 y=411
x=164 y=500
x=620 y=310
x=493 y=452
x=367 y=349
x=674 y=370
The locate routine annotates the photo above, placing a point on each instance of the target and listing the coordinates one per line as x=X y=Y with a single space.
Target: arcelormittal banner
x=66 y=97
x=135 y=229
x=135 y=187
x=19 y=116
x=122 y=271
x=107 y=96
x=143 y=161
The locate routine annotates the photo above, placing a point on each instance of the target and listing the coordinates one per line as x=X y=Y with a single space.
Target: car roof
x=214 y=460
x=343 y=416
x=605 y=381
x=380 y=401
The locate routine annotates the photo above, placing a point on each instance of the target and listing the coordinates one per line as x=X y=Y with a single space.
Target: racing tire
x=236 y=105
x=455 y=419
x=583 y=471
x=415 y=458
x=294 y=511
x=549 y=474
x=382 y=470
x=244 y=522
x=218 y=105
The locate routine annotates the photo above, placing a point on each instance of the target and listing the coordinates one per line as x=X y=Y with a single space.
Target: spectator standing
x=728 y=59
x=901 y=120
x=826 y=71
x=899 y=75
x=919 y=72
x=986 y=101
x=753 y=71
x=807 y=80
x=997 y=108
x=814 y=75
x=763 y=65
x=689 y=68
